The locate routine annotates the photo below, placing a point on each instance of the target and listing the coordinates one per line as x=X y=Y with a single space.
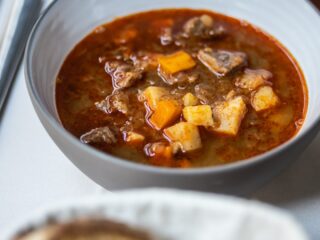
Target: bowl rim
x=38 y=105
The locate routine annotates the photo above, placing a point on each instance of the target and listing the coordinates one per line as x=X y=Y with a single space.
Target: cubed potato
x=187 y=134
x=230 y=114
x=199 y=115
x=176 y=62
x=190 y=100
x=252 y=79
x=167 y=112
x=134 y=138
x=153 y=96
x=264 y=98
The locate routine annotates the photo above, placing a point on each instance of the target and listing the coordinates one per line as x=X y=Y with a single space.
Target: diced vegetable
x=185 y=133
x=264 y=98
x=134 y=138
x=190 y=100
x=167 y=112
x=153 y=95
x=176 y=62
x=198 y=115
x=230 y=114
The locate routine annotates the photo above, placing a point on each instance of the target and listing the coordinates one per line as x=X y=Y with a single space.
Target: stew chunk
x=172 y=67
x=117 y=102
x=123 y=74
x=167 y=112
x=198 y=115
x=222 y=62
x=176 y=62
x=229 y=113
x=134 y=138
x=202 y=27
x=264 y=98
x=153 y=95
x=190 y=100
x=186 y=134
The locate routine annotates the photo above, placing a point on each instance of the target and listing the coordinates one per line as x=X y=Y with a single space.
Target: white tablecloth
x=34 y=172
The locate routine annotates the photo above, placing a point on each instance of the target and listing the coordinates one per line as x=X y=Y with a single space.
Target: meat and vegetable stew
x=181 y=88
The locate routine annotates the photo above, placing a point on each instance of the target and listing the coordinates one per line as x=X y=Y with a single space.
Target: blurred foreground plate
x=176 y=215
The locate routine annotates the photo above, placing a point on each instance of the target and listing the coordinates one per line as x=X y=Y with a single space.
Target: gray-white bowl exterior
x=66 y=22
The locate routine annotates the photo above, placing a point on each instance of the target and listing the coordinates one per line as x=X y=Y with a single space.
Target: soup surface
x=181 y=88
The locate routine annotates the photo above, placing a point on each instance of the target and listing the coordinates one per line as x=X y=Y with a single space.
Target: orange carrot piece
x=166 y=113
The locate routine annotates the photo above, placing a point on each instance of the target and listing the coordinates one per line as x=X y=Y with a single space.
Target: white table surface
x=34 y=172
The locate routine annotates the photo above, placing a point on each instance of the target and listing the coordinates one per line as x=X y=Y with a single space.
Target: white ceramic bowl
x=175 y=215
x=293 y=22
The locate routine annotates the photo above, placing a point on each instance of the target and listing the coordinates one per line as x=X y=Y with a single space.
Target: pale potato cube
x=187 y=134
x=153 y=95
x=230 y=114
x=190 y=100
x=176 y=62
x=264 y=98
x=199 y=115
x=135 y=138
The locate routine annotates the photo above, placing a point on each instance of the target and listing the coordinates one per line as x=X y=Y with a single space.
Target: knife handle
x=24 y=15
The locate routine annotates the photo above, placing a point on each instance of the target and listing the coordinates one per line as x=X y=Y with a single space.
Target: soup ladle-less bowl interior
x=65 y=23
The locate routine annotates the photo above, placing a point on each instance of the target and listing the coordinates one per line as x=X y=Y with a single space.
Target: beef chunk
x=180 y=78
x=252 y=79
x=118 y=101
x=99 y=135
x=202 y=27
x=123 y=74
x=222 y=62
